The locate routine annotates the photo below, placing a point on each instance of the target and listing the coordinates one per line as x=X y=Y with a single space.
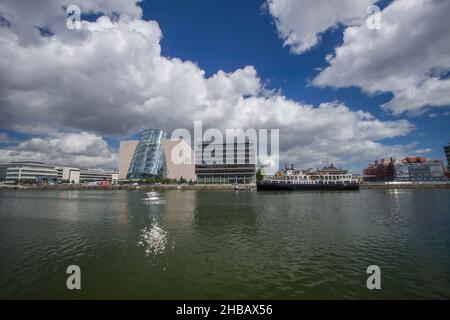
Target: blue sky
x=226 y=35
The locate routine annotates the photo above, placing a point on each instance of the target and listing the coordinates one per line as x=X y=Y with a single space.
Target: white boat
x=327 y=178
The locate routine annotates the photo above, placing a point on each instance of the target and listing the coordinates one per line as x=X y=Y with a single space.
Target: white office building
x=95 y=175
x=68 y=174
x=31 y=171
x=39 y=172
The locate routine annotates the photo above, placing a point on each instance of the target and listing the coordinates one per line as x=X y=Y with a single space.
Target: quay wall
x=414 y=185
x=132 y=187
x=249 y=187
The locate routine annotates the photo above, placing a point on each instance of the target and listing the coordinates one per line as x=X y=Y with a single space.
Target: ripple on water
x=153 y=198
x=246 y=245
x=154 y=240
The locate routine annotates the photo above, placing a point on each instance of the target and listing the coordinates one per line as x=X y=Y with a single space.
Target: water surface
x=225 y=244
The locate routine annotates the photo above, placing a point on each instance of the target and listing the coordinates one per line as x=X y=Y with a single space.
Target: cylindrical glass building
x=148 y=160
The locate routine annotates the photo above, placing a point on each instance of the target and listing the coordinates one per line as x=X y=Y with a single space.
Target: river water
x=225 y=244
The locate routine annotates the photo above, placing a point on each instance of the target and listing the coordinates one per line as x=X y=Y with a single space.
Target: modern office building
x=39 y=172
x=155 y=156
x=126 y=152
x=95 y=175
x=68 y=174
x=30 y=171
x=418 y=169
x=225 y=163
x=180 y=160
x=447 y=154
x=148 y=158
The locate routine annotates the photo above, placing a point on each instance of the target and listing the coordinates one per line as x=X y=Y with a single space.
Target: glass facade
x=412 y=172
x=148 y=160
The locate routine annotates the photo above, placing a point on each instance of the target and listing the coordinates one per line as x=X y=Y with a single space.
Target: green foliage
x=259 y=175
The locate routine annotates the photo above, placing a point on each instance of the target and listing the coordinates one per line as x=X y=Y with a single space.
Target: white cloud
x=409 y=56
x=422 y=151
x=301 y=23
x=26 y=16
x=78 y=149
x=357 y=153
x=113 y=80
x=310 y=135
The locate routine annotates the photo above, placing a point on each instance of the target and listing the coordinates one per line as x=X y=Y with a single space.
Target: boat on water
x=327 y=178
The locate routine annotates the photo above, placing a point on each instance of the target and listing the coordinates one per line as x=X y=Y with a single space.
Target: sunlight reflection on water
x=152 y=198
x=154 y=239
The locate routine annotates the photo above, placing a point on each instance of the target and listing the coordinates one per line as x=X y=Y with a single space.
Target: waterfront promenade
x=248 y=187
x=132 y=187
x=405 y=185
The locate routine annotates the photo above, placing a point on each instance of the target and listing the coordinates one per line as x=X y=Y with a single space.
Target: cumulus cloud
x=358 y=153
x=409 y=56
x=310 y=135
x=113 y=80
x=77 y=149
x=27 y=18
x=422 y=151
x=301 y=23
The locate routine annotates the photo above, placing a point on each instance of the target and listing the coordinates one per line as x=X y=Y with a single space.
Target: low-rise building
x=39 y=172
x=419 y=170
x=30 y=171
x=379 y=171
x=68 y=174
x=95 y=175
x=409 y=169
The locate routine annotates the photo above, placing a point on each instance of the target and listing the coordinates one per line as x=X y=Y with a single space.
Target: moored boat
x=327 y=178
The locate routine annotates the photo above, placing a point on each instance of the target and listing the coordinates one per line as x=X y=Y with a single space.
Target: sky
x=340 y=85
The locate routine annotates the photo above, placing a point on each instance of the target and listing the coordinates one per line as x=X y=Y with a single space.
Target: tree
x=259 y=175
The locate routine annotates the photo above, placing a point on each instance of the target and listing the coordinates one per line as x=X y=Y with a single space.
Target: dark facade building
x=148 y=158
x=447 y=154
x=225 y=163
x=3 y=168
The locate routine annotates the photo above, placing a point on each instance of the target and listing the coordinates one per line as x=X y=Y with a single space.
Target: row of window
x=223 y=174
x=16 y=170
